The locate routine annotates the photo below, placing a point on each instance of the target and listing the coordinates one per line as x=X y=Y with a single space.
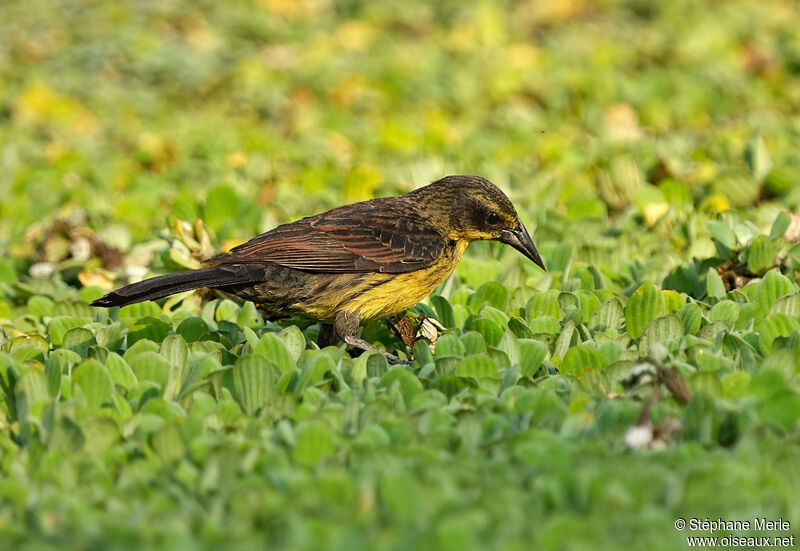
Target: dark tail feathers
x=158 y=287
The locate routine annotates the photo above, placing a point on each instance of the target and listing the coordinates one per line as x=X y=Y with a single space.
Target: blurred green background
x=654 y=147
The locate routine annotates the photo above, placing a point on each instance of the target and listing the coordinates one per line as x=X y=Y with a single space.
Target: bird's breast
x=383 y=295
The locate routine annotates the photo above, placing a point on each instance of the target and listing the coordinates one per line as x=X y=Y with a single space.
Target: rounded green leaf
x=274 y=349
x=294 y=340
x=715 y=287
x=608 y=316
x=120 y=372
x=543 y=304
x=726 y=311
x=148 y=328
x=444 y=312
x=493 y=293
x=450 y=345
x=175 y=350
x=589 y=304
x=692 y=317
x=774 y=326
x=409 y=384
x=477 y=366
x=531 y=355
x=150 y=366
x=580 y=358
x=490 y=330
x=252 y=382
x=545 y=324
x=661 y=331
x=789 y=305
x=59 y=326
x=94 y=381
x=761 y=255
x=192 y=328
x=774 y=286
x=645 y=305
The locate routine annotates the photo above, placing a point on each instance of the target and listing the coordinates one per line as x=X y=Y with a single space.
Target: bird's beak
x=521 y=240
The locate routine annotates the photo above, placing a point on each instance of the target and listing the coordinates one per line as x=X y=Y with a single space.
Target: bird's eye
x=493 y=218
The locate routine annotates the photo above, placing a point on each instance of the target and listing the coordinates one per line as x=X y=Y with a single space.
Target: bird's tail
x=158 y=287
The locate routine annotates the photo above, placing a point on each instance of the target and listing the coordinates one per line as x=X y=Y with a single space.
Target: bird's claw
x=364 y=345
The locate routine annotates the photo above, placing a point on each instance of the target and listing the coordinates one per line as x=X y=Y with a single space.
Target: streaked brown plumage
x=358 y=262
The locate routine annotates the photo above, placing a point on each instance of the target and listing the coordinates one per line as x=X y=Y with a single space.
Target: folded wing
x=383 y=235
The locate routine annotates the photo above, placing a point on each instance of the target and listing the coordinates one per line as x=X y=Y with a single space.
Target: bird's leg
x=346 y=327
x=327 y=336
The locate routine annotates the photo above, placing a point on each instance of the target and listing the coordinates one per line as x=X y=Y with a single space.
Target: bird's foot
x=364 y=345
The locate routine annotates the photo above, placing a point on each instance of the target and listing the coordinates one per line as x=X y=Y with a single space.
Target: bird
x=358 y=262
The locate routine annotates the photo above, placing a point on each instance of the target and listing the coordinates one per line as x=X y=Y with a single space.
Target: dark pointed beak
x=521 y=240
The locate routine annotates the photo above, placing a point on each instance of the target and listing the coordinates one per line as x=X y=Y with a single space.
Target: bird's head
x=471 y=208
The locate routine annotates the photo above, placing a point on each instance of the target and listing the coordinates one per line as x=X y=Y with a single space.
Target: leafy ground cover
x=650 y=374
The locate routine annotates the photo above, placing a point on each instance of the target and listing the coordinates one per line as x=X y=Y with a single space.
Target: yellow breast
x=379 y=295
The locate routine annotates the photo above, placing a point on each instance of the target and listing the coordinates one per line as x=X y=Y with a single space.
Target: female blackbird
x=364 y=261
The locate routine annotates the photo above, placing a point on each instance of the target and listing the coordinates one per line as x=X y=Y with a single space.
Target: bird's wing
x=374 y=236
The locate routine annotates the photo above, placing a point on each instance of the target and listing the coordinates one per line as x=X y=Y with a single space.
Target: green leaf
x=140 y=310
x=94 y=381
x=726 y=311
x=724 y=238
x=661 y=331
x=673 y=301
x=473 y=342
x=444 y=312
x=781 y=224
x=168 y=443
x=491 y=292
x=715 y=287
x=692 y=317
x=249 y=316
x=195 y=374
x=294 y=340
x=543 y=304
x=774 y=286
x=59 y=326
x=761 y=255
x=709 y=332
x=491 y=332
x=782 y=410
x=608 y=316
x=643 y=307
x=774 y=326
x=545 y=324
x=580 y=358
x=120 y=372
x=563 y=342
x=789 y=305
x=314 y=442
x=150 y=366
x=410 y=385
x=531 y=355
x=175 y=350
x=449 y=344
x=477 y=366
x=252 y=381
x=148 y=328
x=191 y=329
x=274 y=349
x=32 y=389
